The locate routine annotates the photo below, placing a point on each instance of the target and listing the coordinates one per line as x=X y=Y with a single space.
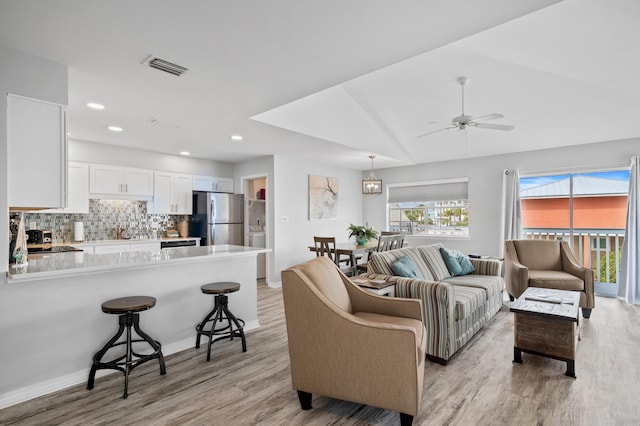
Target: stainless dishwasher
x=181 y=243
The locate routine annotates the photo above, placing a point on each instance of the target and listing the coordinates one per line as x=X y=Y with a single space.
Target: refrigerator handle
x=213 y=210
x=212 y=234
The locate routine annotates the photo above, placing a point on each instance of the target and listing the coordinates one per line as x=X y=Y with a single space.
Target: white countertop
x=45 y=266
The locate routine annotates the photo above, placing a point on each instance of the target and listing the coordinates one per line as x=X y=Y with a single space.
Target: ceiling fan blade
x=495 y=126
x=488 y=117
x=436 y=131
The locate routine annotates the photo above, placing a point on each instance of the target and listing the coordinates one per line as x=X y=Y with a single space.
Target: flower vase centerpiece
x=362 y=234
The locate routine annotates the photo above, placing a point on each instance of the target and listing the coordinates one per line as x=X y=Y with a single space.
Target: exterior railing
x=599 y=249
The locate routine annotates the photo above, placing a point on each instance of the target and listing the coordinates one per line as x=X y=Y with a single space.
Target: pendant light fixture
x=372 y=185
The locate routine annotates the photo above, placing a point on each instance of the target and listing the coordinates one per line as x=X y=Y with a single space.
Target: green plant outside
x=602 y=267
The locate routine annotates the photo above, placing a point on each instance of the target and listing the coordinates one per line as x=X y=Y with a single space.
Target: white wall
x=123 y=156
x=33 y=77
x=485 y=185
x=291 y=201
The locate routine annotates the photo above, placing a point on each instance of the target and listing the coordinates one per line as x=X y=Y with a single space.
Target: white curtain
x=511 y=210
x=629 y=283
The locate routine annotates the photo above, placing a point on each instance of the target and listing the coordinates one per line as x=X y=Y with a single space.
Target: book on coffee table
x=371 y=283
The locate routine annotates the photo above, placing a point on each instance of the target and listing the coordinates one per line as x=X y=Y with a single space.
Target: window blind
x=429 y=192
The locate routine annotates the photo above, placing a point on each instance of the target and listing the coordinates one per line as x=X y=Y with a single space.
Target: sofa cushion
x=433 y=261
x=380 y=263
x=457 y=263
x=491 y=284
x=468 y=300
x=404 y=267
x=559 y=280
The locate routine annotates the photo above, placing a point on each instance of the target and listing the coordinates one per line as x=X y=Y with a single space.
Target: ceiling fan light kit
x=372 y=185
x=463 y=121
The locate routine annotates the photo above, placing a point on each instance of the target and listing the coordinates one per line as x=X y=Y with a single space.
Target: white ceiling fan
x=463 y=121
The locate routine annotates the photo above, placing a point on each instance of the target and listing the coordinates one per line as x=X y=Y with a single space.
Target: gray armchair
x=547 y=264
x=349 y=344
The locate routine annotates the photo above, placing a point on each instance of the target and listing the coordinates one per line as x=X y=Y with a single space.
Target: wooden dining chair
x=326 y=246
x=385 y=243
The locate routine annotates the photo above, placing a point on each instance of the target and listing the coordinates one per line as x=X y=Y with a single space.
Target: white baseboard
x=72 y=379
x=277 y=284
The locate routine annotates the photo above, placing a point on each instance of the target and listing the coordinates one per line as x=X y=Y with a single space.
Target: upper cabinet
x=172 y=193
x=37 y=153
x=77 y=189
x=212 y=184
x=117 y=180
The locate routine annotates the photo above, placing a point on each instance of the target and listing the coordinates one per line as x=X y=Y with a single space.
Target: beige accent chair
x=547 y=264
x=348 y=344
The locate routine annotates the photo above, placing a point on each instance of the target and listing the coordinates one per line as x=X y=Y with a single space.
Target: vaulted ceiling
x=336 y=81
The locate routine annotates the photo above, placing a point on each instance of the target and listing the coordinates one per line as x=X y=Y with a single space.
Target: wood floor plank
x=479 y=386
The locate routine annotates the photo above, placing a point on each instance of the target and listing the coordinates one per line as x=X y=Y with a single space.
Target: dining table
x=351 y=249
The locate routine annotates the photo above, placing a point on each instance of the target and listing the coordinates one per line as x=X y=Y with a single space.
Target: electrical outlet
x=33 y=224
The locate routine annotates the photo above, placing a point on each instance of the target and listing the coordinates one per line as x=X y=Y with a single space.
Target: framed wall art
x=323 y=197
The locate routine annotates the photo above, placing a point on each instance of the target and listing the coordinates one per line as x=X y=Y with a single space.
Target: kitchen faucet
x=120 y=231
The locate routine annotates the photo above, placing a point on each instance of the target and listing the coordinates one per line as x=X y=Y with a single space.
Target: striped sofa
x=456 y=307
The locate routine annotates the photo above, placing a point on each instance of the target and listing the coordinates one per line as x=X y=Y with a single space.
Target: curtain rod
x=590 y=168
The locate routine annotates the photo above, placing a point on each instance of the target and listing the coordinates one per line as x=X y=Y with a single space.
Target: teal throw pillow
x=452 y=262
x=404 y=267
x=465 y=264
x=457 y=263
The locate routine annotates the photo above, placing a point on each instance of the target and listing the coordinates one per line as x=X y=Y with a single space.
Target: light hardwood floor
x=480 y=386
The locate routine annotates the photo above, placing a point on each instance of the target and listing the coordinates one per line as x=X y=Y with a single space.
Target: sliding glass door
x=588 y=210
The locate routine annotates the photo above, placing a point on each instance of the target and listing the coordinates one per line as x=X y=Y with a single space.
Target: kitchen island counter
x=43 y=266
x=51 y=322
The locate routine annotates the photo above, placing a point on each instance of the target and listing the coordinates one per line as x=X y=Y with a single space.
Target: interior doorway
x=256 y=222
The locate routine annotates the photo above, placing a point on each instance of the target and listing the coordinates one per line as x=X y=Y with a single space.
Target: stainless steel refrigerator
x=217 y=218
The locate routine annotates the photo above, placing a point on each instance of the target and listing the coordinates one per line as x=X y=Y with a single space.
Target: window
x=587 y=210
x=435 y=208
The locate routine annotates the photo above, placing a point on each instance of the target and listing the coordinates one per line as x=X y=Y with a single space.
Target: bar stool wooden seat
x=219 y=315
x=128 y=309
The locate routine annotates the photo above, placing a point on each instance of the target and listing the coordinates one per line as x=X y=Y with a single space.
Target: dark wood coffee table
x=545 y=328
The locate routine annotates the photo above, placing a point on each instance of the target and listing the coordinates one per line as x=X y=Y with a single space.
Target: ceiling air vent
x=166 y=66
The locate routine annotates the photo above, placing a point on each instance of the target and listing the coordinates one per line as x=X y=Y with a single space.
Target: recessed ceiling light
x=236 y=137
x=94 y=105
x=115 y=128
x=185 y=153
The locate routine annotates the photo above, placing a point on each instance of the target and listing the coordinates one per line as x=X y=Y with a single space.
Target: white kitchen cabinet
x=37 y=153
x=172 y=193
x=77 y=189
x=145 y=246
x=118 y=180
x=203 y=183
x=223 y=185
x=111 y=248
x=213 y=184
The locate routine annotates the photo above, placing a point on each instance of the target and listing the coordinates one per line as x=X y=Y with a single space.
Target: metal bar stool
x=219 y=315
x=127 y=308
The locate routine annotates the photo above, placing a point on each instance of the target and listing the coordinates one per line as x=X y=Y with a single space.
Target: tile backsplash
x=103 y=220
